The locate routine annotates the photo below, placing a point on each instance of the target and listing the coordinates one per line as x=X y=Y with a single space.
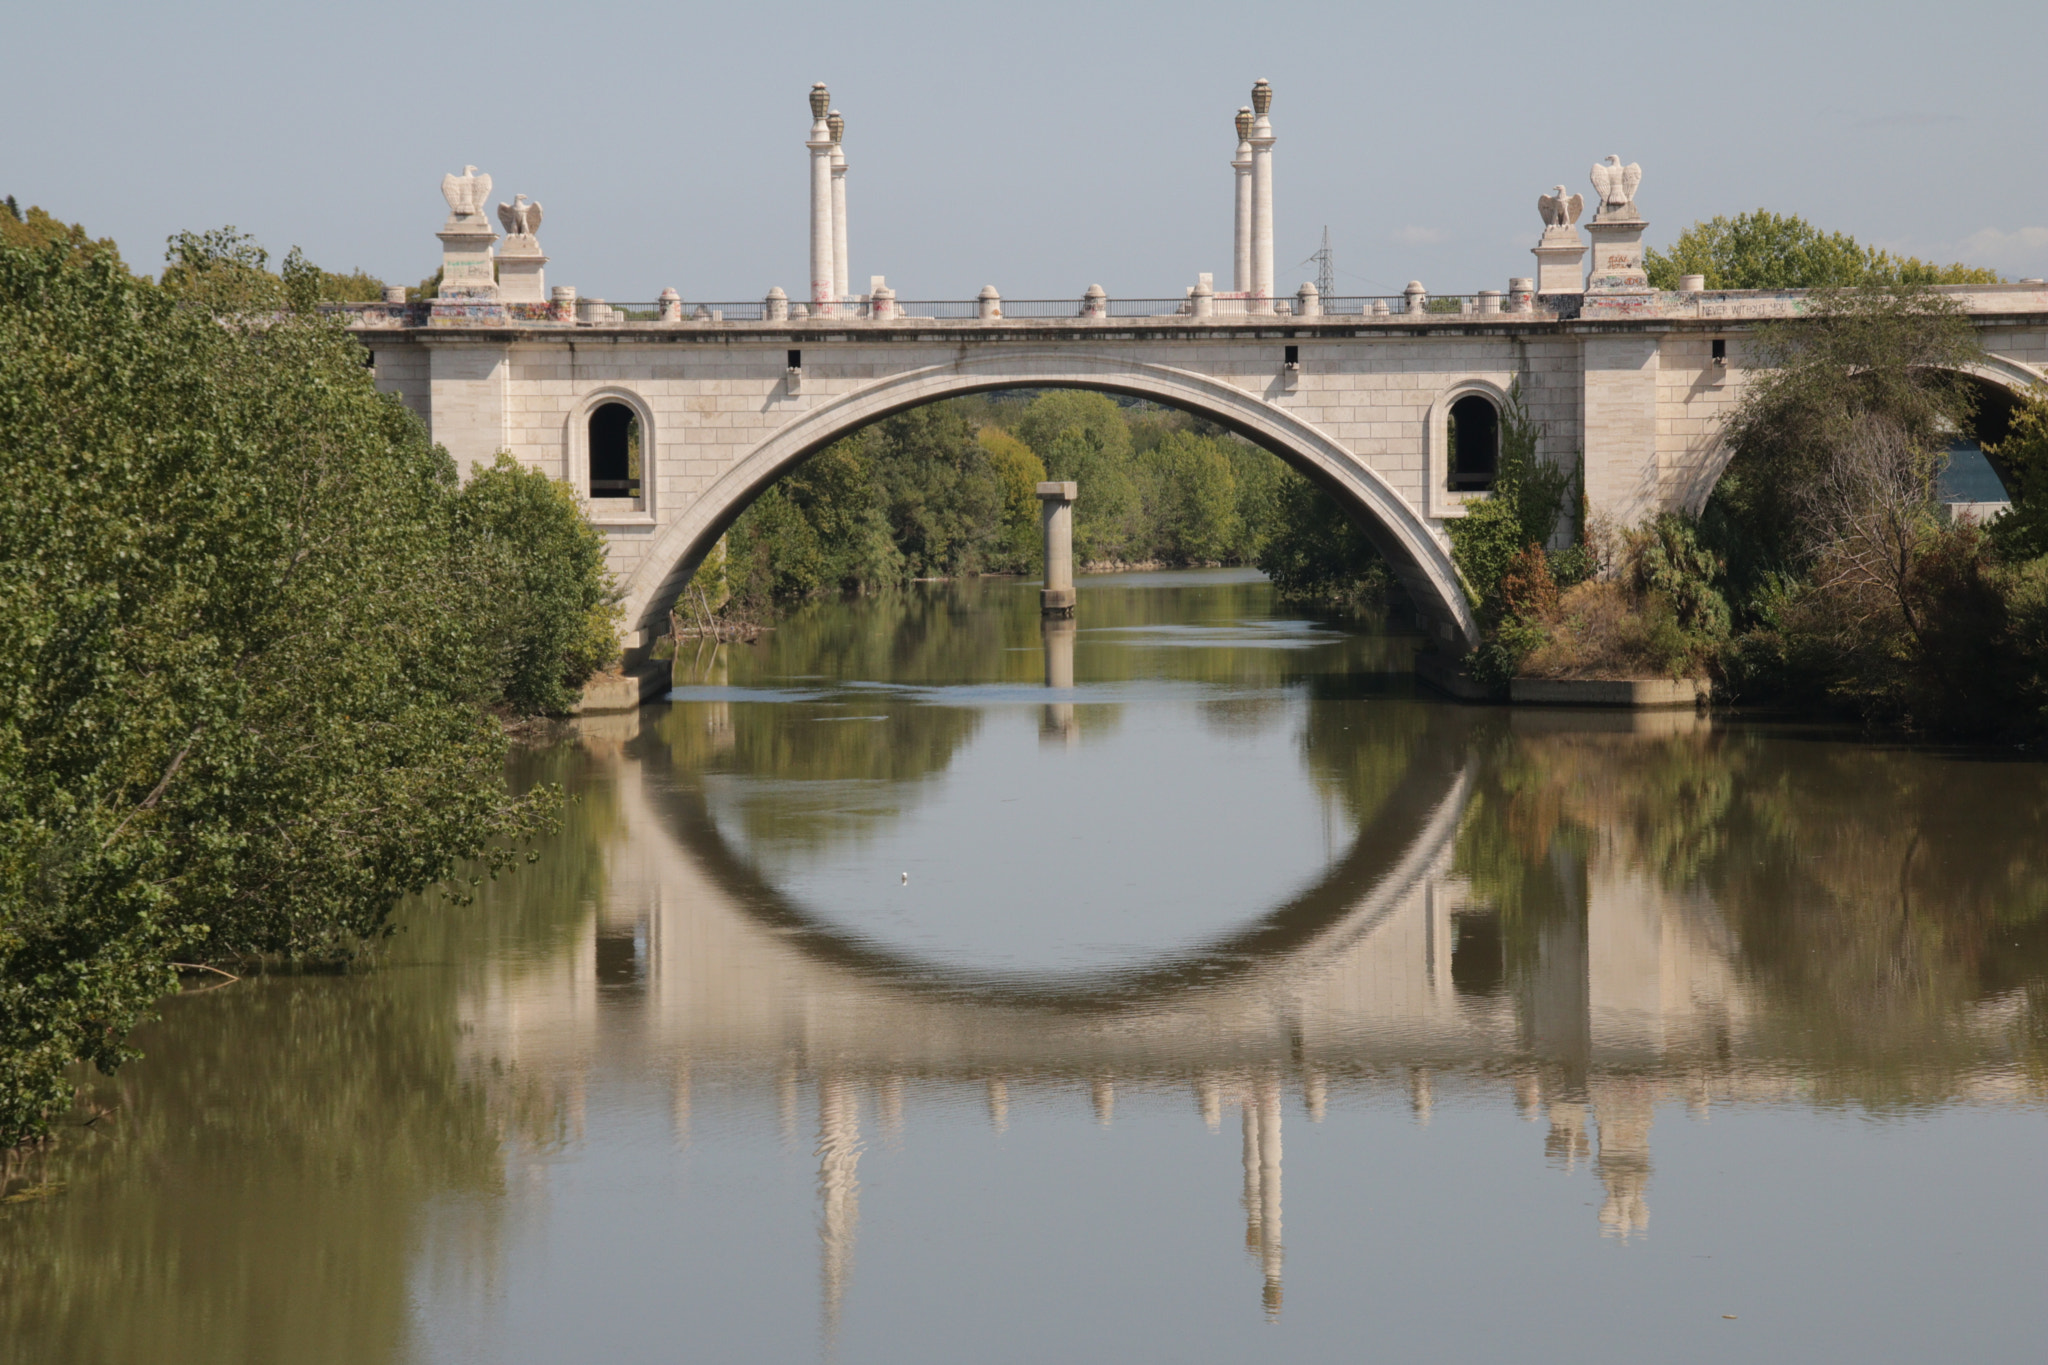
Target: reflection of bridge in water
x=1376 y=979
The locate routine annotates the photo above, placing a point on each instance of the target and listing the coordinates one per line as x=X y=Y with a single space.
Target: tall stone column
x=1056 y=502
x=1262 y=198
x=837 y=125
x=1241 y=242
x=821 y=203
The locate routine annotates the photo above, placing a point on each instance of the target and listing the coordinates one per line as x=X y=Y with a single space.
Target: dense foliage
x=1765 y=250
x=948 y=490
x=250 y=632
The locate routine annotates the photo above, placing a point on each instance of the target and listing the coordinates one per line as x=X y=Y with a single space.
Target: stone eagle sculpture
x=1616 y=183
x=521 y=217
x=466 y=193
x=1559 y=209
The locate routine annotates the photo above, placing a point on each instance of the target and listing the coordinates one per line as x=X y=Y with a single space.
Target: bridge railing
x=603 y=311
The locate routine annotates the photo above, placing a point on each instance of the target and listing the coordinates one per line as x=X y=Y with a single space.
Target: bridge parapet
x=669 y=314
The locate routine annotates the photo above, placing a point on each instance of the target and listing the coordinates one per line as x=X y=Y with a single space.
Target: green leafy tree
x=246 y=700
x=1765 y=250
x=37 y=230
x=227 y=272
x=2022 y=533
x=1191 y=497
x=549 y=606
x=1018 y=471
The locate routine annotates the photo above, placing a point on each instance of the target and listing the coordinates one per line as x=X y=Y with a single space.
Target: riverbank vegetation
x=1822 y=572
x=256 y=642
x=947 y=490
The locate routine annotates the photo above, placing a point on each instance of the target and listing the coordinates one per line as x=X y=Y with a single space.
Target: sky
x=1038 y=147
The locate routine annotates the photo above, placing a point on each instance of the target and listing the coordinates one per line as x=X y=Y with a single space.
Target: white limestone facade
x=1639 y=395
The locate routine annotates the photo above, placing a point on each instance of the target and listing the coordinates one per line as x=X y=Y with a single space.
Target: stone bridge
x=670 y=417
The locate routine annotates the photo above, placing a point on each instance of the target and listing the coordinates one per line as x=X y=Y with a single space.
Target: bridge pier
x=1056 y=504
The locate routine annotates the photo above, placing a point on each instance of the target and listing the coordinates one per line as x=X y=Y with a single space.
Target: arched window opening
x=1474 y=439
x=615 y=452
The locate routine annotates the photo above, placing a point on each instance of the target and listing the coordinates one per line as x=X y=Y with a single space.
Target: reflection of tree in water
x=299 y=1129
x=1879 y=902
x=1358 y=752
x=1886 y=899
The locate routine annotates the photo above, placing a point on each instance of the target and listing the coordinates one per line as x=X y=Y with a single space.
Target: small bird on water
x=906 y=879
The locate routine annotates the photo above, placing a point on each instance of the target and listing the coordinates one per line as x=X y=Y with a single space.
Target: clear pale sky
x=1039 y=147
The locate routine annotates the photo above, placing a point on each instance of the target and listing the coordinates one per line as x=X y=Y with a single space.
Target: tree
x=548 y=607
x=226 y=272
x=1765 y=250
x=245 y=695
x=1889 y=355
x=38 y=230
x=1018 y=471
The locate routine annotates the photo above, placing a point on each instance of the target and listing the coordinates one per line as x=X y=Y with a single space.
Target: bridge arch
x=1417 y=554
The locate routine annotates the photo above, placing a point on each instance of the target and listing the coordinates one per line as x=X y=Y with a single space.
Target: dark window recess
x=796 y=360
x=1720 y=351
x=1475 y=444
x=614 y=452
x=1294 y=355
x=369 y=360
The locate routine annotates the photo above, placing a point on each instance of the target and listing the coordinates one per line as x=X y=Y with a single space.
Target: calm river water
x=878 y=1002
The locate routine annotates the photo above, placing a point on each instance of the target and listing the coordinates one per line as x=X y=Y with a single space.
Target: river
x=1227 y=999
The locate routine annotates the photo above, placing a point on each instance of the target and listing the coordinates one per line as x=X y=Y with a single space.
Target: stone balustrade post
x=989 y=306
x=562 y=303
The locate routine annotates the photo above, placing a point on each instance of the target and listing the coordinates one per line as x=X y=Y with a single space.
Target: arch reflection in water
x=1535 y=911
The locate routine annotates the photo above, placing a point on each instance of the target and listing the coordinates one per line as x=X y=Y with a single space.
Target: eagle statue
x=1559 y=209
x=466 y=193
x=1616 y=183
x=521 y=217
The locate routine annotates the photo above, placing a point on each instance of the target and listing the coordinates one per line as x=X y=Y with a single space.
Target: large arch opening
x=1969 y=477
x=1415 y=552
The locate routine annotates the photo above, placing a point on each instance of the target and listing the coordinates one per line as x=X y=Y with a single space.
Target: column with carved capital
x=820 y=145
x=1262 y=140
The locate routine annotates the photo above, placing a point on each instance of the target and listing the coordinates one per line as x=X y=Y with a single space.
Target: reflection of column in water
x=1421 y=1094
x=1102 y=1095
x=1315 y=1095
x=889 y=1108
x=1058 y=724
x=1269 y=1193
x=679 y=1103
x=1209 y=1096
x=1262 y=1186
x=838 y=1192
x=1566 y=1143
x=998 y=1103
x=1623 y=1110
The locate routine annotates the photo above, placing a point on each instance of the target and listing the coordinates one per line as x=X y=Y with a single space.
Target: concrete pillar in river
x=820 y=144
x=1057 y=516
x=1262 y=140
